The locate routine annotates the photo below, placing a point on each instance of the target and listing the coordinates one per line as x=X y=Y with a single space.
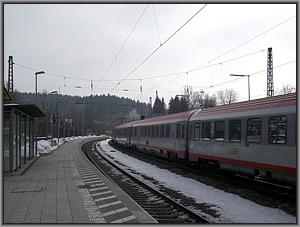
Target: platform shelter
x=19 y=139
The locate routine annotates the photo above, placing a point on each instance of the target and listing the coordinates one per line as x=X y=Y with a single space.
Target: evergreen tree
x=177 y=105
x=159 y=107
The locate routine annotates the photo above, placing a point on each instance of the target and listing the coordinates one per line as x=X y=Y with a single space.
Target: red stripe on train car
x=227 y=160
x=162 y=148
x=247 y=163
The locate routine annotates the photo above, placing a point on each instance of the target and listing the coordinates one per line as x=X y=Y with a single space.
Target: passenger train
x=253 y=138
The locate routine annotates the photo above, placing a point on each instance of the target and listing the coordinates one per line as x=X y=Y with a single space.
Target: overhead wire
x=249 y=40
x=221 y=55
x=155 y=50
x=203 y=67
x=124 y=43
x=171 y=74
x=228 y=81
x=156 y=24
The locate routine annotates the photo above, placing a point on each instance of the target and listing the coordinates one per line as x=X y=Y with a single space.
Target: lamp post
x=51 y=116
x=248 y=82
x=36 y=129
x=36 y=74
x=57 y=103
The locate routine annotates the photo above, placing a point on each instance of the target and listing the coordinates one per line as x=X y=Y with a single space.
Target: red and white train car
x=256 y=137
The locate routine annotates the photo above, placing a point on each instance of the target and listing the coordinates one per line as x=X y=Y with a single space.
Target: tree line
x=99 y=113
x=191 y=100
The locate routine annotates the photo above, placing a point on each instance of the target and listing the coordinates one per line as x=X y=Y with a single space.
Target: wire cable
x=153 y=52
x=223 y=54
x=119 y=51
x=156 y=24
x=249 y=40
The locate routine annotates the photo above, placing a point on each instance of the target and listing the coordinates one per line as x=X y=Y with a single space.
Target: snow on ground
x=231 y=208
x=45 y=147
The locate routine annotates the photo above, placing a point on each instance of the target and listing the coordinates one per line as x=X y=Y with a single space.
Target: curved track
x=161 y=207
x=258 y=191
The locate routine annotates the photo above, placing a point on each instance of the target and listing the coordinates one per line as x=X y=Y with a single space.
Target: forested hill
x=87 y=111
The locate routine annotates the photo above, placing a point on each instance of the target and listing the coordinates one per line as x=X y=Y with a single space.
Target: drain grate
x=22 y=190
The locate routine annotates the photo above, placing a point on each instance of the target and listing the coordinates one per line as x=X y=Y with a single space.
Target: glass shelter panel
x=23 y=138
x=6 y=142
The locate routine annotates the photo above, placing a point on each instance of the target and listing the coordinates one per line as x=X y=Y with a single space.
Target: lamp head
x=39 y=72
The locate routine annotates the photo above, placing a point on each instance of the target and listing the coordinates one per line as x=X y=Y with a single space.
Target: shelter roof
x=30 y=109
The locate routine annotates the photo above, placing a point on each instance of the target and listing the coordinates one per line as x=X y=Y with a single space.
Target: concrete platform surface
x=64 y=187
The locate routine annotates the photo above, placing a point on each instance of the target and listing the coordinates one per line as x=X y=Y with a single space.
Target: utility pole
x=58 y=123
x=10 y=85
x=270 y=84
x=248 y=82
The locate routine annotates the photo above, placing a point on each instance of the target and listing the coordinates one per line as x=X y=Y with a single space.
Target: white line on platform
x=90 y=179
x=124 y=219
x=101 y=193
x=109 y=204
x=88 y=175
x=105 y=198
x=95 y=185
x=96 y=189
x=93 y=181
x=114 y=211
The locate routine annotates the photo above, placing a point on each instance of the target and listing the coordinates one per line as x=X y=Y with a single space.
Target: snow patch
x=231 y=208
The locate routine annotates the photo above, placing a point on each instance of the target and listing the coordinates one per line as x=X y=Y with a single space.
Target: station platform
x=65 y=187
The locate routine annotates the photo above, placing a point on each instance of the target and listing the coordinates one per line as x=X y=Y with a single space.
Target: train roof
x=125 y=125
x=182 y=116
x=246 y=106
x=256 y=105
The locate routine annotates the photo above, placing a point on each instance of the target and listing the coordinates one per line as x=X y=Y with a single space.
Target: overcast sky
x=84 y=41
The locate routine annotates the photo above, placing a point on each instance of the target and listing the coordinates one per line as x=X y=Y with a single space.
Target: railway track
x=270 y=194
x=161 y=207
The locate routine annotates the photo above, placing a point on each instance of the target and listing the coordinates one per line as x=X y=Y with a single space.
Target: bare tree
x=187 y=94
x=286 y=89
x=132 y=116
x=226 y=97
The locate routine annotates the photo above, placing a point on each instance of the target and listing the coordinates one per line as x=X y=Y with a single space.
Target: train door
x=138 y=133
x=182 y=137
x=189 y=134
x=130 y=135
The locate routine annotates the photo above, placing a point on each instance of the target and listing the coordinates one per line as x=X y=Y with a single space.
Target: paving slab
x=65 y=187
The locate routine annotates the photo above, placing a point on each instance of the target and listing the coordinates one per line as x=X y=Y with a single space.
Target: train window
x=152 y=130
x=235 y=130
x=191 y=130
x=206 y=131
x=177 y=131
x=167 y=131
x=144 y=131
x=157 y=130
x=277 y=129
x=182 y=131
x=162 y=131
x=219 y=130
x=149 y=131
x=254 y=130
x=197 y=131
